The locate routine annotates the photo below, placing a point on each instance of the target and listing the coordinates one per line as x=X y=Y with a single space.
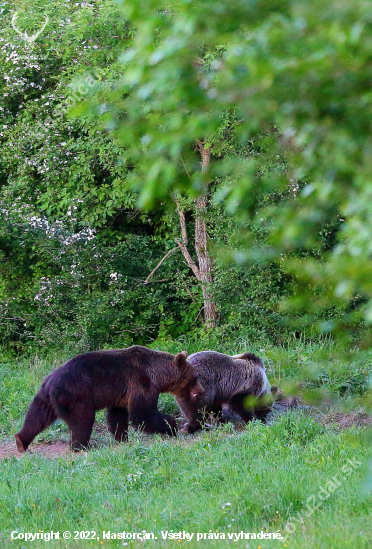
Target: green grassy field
x=270 y=478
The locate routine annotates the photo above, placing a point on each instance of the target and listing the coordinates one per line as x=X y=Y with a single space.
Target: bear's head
x=188 y=384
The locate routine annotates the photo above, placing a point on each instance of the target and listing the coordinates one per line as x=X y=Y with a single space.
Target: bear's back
x=112 y=366
x=211 y=359
x=215 y=361
x=226 y=375
x=132 y=357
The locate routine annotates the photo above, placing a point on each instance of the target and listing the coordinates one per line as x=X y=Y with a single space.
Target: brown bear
x=228 y=380
x=125 y=381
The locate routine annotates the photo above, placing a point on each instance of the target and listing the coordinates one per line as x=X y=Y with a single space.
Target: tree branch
x=182 y=222
x=198 y=316
x=191 y=263
x=160 y=262
x=183 y=244
x=156 y=281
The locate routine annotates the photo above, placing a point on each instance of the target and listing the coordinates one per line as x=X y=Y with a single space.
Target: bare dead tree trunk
x=204 y=259
x=203 y=270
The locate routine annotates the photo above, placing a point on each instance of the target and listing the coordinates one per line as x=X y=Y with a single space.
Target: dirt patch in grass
x=56 y=449
x=344 y=421
x=326 y=416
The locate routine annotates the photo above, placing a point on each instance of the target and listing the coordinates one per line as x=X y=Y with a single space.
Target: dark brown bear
x=125 y=381
x=227 y=380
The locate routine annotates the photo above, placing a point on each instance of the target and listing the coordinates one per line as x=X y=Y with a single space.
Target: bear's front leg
x=261 y=413
x=191 y=411
x=237 y=405
x=144 y=414
x=39 y=416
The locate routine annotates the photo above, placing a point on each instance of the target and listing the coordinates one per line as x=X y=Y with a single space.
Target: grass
x=222 y=480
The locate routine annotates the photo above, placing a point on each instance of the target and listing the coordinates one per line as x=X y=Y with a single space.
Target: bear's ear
x=274 y=389
x=184 y=353
x=180 y=359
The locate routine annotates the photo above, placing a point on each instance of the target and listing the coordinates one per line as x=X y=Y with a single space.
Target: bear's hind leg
x=154 y=422
x=144 y=414
x=117 y=422
x=39 y=416
x=80 y=420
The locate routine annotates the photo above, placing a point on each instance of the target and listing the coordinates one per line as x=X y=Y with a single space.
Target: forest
x=190 y=175
x=78 y=249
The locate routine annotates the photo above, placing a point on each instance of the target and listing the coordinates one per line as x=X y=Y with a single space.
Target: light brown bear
x=228 y=380
x=125 y=381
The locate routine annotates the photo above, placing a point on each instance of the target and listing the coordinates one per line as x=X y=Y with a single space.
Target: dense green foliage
x=296 y=69
x=92 y=117
x=74 y=250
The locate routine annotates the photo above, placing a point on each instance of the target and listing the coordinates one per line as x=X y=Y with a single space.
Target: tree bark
x=204 y=259
x=203 y=270
x=183 y=244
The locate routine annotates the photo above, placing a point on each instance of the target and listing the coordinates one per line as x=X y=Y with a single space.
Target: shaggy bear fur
x=228 y=380
x=125 y=381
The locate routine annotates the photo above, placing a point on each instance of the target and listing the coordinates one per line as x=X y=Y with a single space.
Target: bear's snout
x=197 y=392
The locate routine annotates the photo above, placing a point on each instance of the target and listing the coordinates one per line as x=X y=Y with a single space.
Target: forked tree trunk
x=203 y=270
x=204 y=259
